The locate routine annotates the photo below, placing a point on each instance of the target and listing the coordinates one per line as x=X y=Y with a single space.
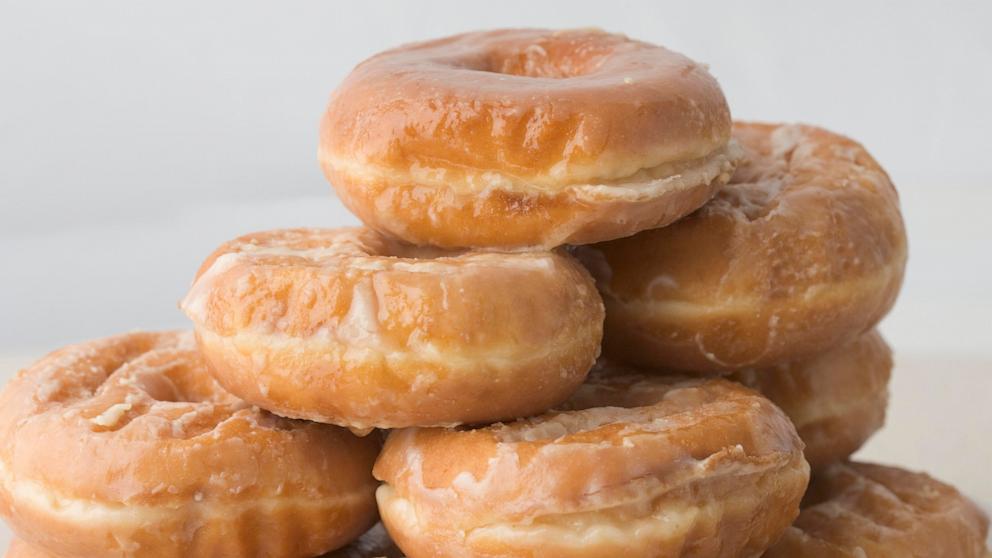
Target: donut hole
x=181 y=383
x=556 y=58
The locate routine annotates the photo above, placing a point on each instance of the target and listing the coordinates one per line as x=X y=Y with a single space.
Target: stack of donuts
x=589 y=315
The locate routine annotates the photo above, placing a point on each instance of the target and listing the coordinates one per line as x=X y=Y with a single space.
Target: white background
x=136 y=136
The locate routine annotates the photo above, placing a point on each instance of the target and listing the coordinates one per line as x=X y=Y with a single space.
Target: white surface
x=135 y=137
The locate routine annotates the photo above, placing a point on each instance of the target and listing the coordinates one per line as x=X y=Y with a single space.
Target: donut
x=126 y=446
x=836 y=399
x=345 y=326
x=526 y=138
x=860 y=509
x=803 y=250
x=633 y=465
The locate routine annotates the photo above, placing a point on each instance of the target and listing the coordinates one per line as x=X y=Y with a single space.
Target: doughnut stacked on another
x=803 y=250
x=347 y=327
x=777 y=283
x=631 y=465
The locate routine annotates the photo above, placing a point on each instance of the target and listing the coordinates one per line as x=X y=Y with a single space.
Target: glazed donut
x=836 y=399
x=526 y=137
x=637 y=466
x=858 y=509
x=126 y=446
x=804 y=249
x=347 y=327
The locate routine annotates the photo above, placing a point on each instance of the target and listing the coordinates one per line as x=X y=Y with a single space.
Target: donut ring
x=642 y=466
x=526 y=137
x=860 y=509
x=126 y=445
x=836 y=400
x=804 y=249
x=346 y=327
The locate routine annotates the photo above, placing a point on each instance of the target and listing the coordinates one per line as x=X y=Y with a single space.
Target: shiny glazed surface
x=525 y=137
x=642 y=466
x=347 y=327
x=854 y=510
x=805 y=249
x=126 y=446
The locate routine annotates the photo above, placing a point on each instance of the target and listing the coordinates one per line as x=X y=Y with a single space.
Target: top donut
x=526 y=138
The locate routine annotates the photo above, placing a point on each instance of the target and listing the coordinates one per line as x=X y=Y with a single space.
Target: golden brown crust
x=643 y=465
x=343 y=326
x=836 y=399
x=804 y=249
x=854 y=510
x=127 y=444
x=475 y=140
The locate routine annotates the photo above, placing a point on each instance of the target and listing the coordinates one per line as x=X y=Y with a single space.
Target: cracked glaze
x=345 y=326
x=853 y=510
x=127 y=445
x=663 y=466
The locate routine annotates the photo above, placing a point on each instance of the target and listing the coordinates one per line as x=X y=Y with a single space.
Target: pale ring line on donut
x=825 y=294
x=402 y=510
x=836 y=291
x=644 y=184
x=80 y=511
x=464 y=366
x=830 y=409
x=357 y=335
x=605 y=524
x=369 y=349
x=597 y=524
